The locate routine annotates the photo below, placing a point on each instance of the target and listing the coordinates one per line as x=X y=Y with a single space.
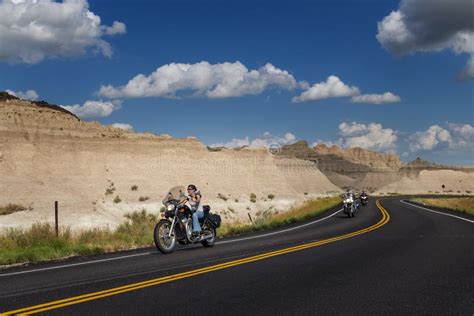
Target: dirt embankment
x=47 y=154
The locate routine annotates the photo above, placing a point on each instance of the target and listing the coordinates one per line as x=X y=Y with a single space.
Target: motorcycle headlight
x=171 y=207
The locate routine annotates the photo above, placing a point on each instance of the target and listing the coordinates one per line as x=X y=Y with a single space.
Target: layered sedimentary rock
x=48 y=154
x=361 y=169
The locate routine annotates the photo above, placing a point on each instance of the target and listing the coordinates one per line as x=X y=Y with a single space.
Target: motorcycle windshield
x=175 y=193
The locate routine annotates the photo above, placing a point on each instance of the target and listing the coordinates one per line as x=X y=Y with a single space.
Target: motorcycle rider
x=350 y=194
x=194 y=200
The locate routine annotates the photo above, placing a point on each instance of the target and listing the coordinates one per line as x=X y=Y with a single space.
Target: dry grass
x=270 y=220
x=460 y=204
x=39 y=242
x=11 y=208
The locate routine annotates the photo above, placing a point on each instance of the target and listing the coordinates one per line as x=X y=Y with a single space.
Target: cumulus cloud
x=468 y=71
x=124 y=126
x=26 y=95
x=430 y=26
x=32 y=30
x=333 y=87
x=116 y=28
x=328 y=143
x=202 y=79
x=429 y=139
x=387 y=97
x=93 y=109
x=454 y=136
x=369 y=136
x=266 y=140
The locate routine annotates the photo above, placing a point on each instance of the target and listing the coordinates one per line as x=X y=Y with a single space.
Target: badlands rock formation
x=48 y=154
x=362 y=169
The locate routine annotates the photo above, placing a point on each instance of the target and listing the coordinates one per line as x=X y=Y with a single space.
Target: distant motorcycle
x=176 y=226
x=350 y=205
x=364 y=199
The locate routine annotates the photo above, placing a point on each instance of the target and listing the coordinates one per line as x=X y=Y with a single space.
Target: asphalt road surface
x=390 y=259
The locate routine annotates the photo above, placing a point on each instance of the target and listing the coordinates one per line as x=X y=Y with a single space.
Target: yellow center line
x=139 y=285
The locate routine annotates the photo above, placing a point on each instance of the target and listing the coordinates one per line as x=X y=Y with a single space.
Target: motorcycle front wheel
x=163 y=241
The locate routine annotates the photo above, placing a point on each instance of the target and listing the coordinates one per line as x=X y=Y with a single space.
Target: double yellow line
x=140 y=285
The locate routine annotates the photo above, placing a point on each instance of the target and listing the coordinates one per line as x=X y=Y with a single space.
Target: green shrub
x=253 y=197
x=11 y=208
x=271 y=196
x=117 y=199
x=222 y=197
x=143 y=198
x=134 y=187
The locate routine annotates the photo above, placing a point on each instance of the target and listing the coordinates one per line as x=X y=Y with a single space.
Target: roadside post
x=56 y=224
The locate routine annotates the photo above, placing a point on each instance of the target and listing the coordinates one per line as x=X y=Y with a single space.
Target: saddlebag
x=214 y=219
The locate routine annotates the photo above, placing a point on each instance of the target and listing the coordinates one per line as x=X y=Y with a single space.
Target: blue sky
x=311 y=40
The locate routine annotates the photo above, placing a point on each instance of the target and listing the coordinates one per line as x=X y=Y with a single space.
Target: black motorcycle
x=176 y=225
x=364 y=199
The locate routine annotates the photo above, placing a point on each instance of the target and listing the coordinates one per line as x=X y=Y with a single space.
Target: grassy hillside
x=461 y=204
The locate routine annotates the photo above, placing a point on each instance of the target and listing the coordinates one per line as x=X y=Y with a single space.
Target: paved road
x=396 y=259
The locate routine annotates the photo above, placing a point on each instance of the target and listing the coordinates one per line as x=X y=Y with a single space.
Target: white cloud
x=387 y=97
x=324 y=142
x=429 y=139
x=333 y=87
x=116 y=28
x=454 y=137
x=369 y=136
x=266 y=140
x=26 y=95
x=124 y=126
x=468 y=71
x=93 y=109
x=430 y=26
x=212 y=80
x=32 y=30
x=234 y=143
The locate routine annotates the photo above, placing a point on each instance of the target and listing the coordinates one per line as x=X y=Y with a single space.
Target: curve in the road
x=436 y=212
x=149 y=253
x=153 y=282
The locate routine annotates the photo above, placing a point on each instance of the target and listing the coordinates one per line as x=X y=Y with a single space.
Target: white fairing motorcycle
x=350 y=205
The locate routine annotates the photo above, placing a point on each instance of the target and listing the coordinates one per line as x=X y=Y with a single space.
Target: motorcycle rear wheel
x=210 y=241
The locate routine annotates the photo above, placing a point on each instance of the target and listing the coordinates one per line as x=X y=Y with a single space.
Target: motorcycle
x=364 y=199
x=350 y=205
x=176 y=225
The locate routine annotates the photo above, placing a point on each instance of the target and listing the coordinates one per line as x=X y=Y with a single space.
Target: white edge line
x=148 y=253
x=76 y=264
x=280 y=231
x=441 y=213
